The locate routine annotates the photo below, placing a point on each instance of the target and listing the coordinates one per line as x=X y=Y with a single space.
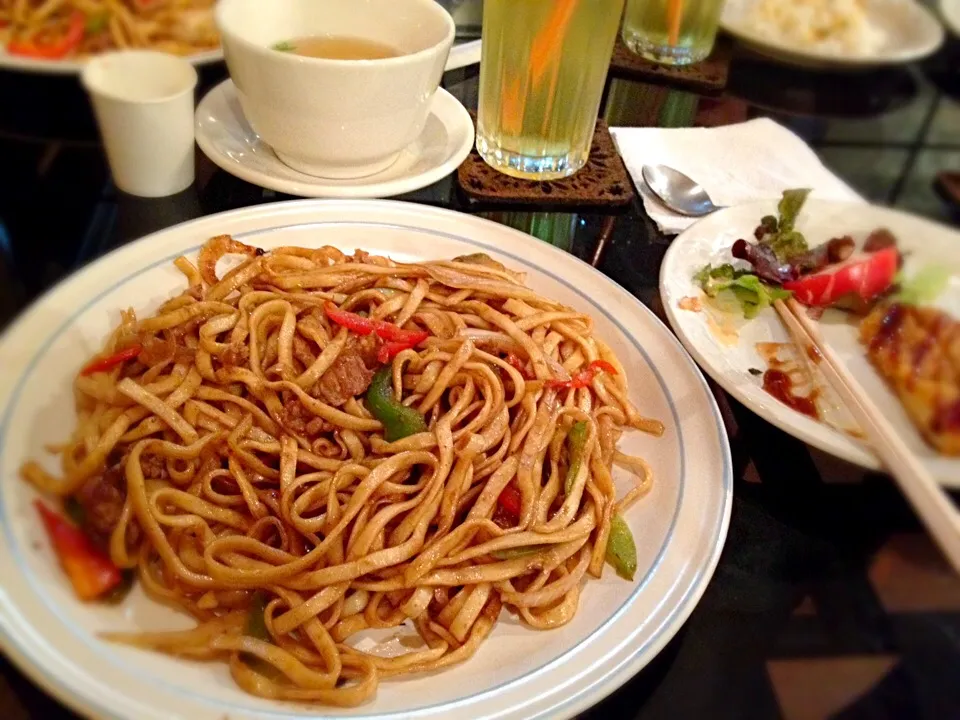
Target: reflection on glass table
x=467 y=14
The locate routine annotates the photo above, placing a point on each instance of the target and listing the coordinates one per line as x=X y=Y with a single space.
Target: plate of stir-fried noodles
x=354 y=458
x=56 y=36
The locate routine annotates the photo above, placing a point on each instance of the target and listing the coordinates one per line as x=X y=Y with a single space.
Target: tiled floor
x=827 y=676
x=818 y=689
x=909 y=575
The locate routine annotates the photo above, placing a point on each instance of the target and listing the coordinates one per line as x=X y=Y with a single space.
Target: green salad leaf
x=714 y=279
x=751 y=292
x=788 y=245
x=926 y=285
x=790 y=206
x=780 y=233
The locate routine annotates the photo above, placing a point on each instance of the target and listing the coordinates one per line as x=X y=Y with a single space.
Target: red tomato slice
x=866 y=277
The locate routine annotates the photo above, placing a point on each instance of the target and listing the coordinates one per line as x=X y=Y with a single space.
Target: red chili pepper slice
x=106 y=363
x=53 y=50
x=510 y=500
x=521 y=367
x=585 y=377
x=392 y=333
x=389 y=350
x=91 y=572
x=397 y=338
x=602 y=366
x=351 y=321
x=410 y=338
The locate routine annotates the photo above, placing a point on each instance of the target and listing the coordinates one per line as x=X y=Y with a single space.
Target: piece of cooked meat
x=297 y=419
x=236 y=355
x=102 y=498
x=878 y=240
x=154 y=467
x=917 y=351
x=352 y=371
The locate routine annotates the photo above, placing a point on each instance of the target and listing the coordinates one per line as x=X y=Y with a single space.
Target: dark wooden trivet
x=602 y=183
x=708 y=77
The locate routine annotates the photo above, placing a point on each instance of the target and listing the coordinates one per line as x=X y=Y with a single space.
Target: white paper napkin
x=735 y=164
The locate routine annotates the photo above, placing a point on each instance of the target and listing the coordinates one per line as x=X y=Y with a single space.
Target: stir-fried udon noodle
x=61 y=29
x=239 y=450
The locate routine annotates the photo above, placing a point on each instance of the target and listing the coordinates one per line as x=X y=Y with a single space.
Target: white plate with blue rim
x=517 y=673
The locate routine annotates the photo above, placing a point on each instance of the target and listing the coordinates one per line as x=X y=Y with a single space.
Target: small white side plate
x=912 y=33
x=228 y=140
x=709 y=241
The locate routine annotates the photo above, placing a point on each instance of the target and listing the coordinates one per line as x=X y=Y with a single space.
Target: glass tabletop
x=829 y=601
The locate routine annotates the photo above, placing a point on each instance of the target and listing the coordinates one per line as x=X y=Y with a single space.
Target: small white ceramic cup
x=329 y=117
x=143 y=101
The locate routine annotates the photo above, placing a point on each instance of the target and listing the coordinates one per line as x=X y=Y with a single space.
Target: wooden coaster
x=602 y=183
x=708 y=77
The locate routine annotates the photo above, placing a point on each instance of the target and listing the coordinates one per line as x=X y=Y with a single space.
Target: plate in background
x=15 y=63
x=462 y=54
x=912 y=32
x=950 y=11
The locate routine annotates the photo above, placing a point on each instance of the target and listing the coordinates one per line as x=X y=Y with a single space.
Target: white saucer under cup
x=143 y=101
x=225 y=136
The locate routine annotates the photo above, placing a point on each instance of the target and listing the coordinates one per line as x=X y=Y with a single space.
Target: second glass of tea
x=542 y=73
x=672 y=32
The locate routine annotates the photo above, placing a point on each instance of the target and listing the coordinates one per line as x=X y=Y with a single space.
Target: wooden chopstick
x=926 y=495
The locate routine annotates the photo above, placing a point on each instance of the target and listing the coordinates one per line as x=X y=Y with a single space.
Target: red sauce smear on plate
x=780 y=386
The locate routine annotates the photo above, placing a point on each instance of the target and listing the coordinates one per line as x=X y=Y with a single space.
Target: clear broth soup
x=338 y=47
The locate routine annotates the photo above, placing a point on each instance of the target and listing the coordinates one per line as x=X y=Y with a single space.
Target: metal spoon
x=678 y=192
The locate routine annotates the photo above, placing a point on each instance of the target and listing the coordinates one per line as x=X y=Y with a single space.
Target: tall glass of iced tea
x=542 y=73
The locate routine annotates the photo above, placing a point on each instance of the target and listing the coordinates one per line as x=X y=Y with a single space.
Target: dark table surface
x=829 y=601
